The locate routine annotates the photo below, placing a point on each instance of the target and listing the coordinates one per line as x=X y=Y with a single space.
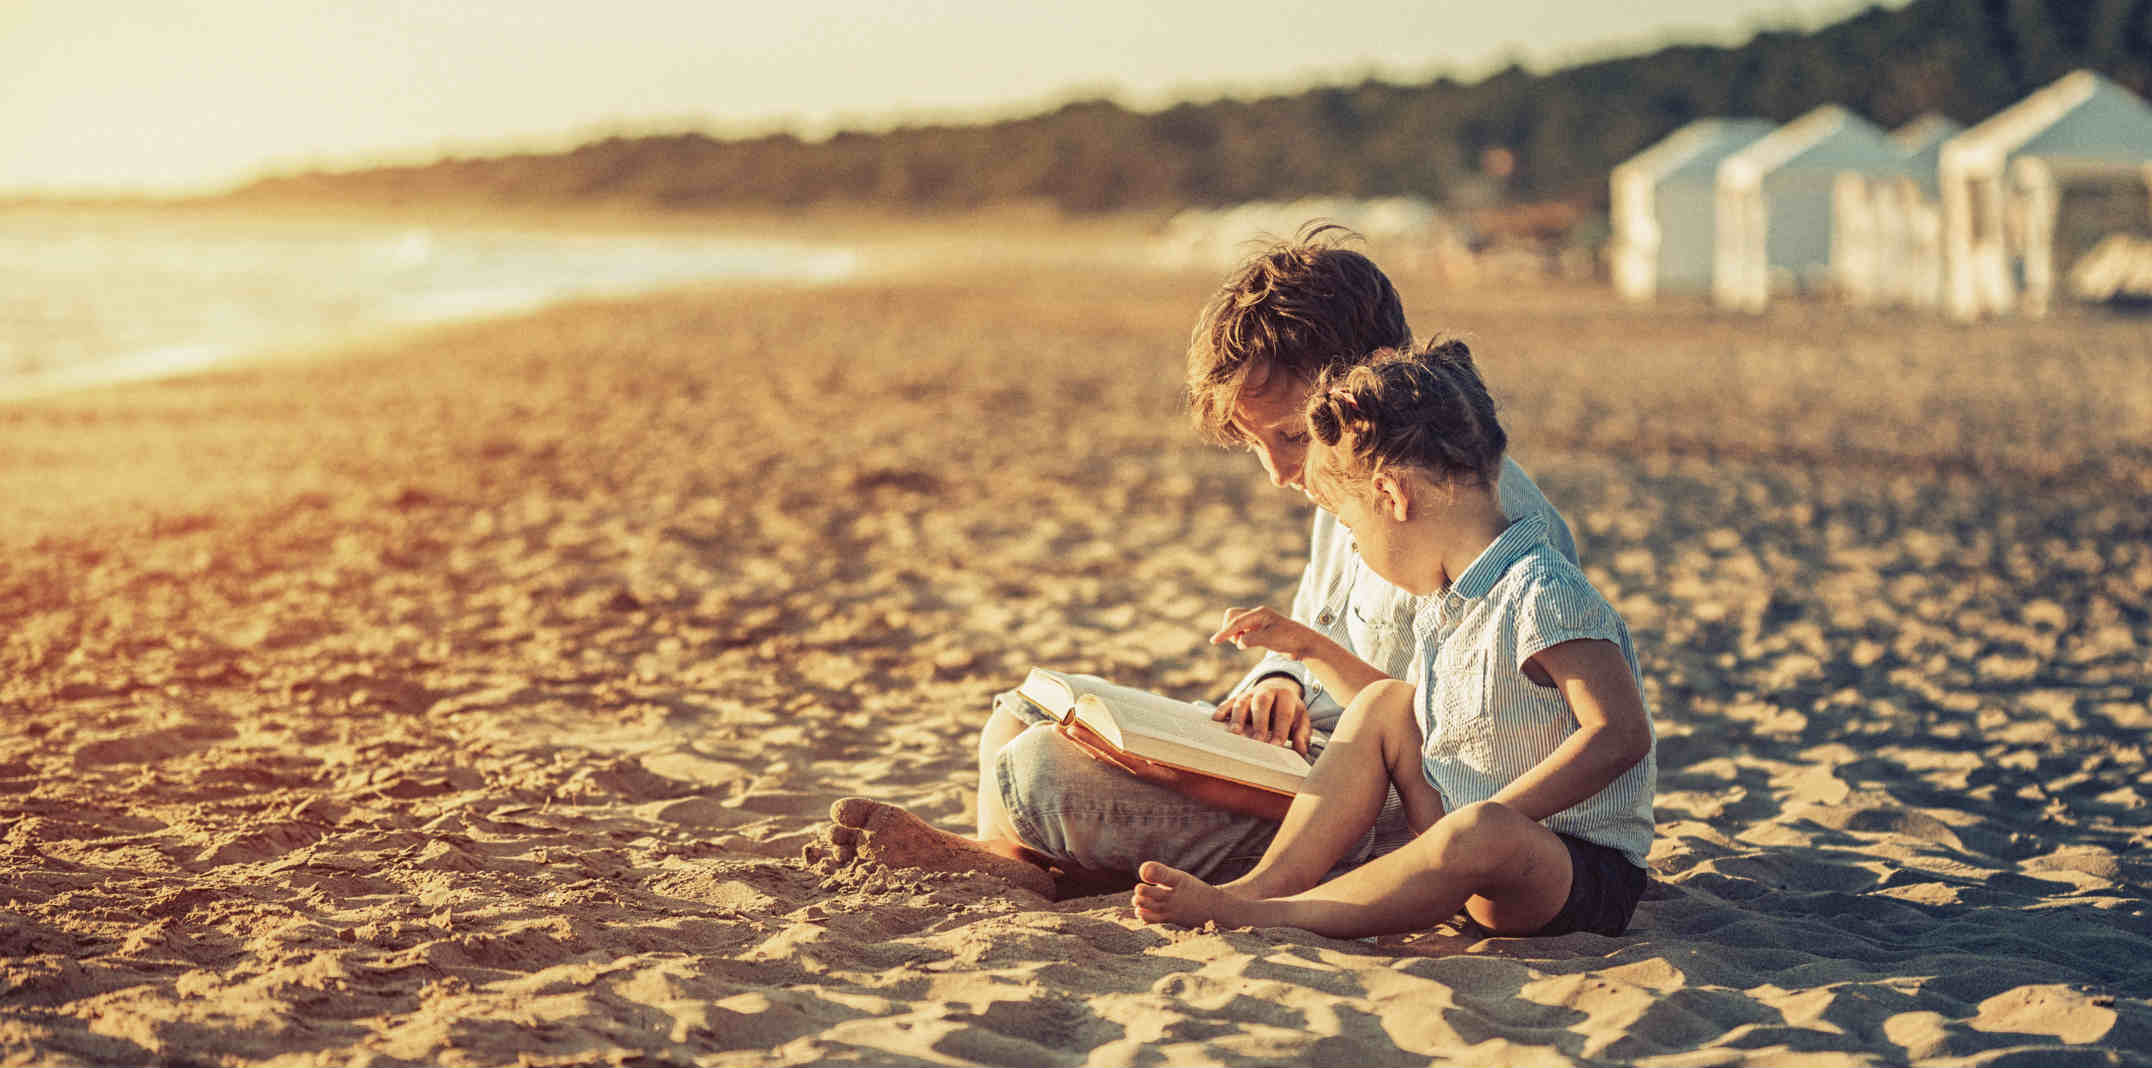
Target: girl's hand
x=1266 y=628
x=1272 y=710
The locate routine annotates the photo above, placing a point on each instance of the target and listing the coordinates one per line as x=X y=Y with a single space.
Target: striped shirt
x=1346 y=601
x=1484 y=722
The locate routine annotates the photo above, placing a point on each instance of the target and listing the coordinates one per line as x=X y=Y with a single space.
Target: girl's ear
x=1392 y=498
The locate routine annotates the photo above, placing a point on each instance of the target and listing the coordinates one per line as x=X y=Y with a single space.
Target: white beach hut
x=1663 y=211
x=2003 y=186
x=1774 y=202
x=1886 y=229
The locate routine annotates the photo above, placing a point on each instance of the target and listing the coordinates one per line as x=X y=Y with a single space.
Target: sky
x=178 y=96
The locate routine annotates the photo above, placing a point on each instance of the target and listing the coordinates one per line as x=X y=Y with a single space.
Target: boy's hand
x=1272 y=710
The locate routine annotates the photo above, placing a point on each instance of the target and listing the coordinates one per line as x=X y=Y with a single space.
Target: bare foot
x=888 y=835
x=1255 y=886
x=1170 y=895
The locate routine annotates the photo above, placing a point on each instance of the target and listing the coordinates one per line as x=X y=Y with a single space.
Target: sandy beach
x=479 y=696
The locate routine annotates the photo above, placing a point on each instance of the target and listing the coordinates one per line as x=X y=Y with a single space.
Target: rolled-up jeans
x=1081 y=811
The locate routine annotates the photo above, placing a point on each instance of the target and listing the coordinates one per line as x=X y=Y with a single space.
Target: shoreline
x=733 y=257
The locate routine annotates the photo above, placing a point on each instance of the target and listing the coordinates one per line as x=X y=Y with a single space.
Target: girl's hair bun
x=1426 y=409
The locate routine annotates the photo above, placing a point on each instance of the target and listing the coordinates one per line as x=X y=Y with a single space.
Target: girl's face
x=1369 y=508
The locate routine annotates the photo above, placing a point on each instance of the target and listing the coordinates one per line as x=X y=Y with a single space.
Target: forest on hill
x=1550 y=136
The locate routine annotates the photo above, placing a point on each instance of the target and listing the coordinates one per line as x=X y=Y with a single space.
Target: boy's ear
x=1392 y=497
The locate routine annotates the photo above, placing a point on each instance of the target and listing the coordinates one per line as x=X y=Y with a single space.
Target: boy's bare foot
x=1170 y=895
x=888 y=835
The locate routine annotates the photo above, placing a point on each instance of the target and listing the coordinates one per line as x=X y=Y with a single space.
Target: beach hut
x=1886 y=228
x=1774 y=203
x=1663 y=217
x=2012 y=188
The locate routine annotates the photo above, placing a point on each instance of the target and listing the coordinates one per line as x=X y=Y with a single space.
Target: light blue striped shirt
x=1346 y=601
x=1484 y=722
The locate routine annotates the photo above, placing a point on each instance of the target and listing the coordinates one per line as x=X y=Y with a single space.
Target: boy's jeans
x=1077 y=810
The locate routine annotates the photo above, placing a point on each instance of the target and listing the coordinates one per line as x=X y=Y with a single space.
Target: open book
x=1135 y=723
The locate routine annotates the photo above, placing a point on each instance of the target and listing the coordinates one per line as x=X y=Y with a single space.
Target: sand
x=479 y=697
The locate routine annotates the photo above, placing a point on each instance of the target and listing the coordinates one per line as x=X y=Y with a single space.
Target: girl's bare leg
x=1377 y=742
x=1511 y=873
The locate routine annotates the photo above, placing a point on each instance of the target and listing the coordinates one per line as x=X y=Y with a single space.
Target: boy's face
x=1276 y=429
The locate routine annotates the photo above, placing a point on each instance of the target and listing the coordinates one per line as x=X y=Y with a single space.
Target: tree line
x=1556 y=135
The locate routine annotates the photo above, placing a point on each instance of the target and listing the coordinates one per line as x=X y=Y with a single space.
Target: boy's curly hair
x=1427 y=410
x=1298 y=307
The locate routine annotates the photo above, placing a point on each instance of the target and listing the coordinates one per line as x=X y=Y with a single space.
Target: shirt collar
x=1510 y=546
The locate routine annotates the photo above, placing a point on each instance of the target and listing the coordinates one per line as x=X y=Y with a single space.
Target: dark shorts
x=1603 y=890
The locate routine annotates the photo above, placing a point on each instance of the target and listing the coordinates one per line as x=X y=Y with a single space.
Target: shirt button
x=1324 y=619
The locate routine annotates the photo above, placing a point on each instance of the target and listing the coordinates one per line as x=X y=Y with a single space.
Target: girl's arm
x=1341 y=672
x=1613 y=729
x=1330 y=560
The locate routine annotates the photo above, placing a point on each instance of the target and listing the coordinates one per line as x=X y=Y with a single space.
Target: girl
x=1524 y=756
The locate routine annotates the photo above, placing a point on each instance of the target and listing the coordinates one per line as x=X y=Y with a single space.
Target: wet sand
x=479 y=697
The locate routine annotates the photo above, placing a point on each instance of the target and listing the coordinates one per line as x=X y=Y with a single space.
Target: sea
x=92 y=297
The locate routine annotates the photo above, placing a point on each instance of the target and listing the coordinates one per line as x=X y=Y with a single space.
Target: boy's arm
x=1613 y=731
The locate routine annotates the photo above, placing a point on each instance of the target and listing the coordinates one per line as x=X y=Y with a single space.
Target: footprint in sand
x=881 y=833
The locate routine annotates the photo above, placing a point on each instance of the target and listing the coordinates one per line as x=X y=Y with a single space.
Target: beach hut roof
x=1926 y=133
x=1695 y=149
x=2082 y=116
x=1922 y=142
x=1829 y=138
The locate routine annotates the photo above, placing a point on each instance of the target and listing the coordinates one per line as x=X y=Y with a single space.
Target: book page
x=1137 y=712
x=1055 y=692
x=1050 y=691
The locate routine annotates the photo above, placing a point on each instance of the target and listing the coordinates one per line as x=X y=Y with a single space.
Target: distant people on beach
x=1521 y=748
x=1288 y=315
